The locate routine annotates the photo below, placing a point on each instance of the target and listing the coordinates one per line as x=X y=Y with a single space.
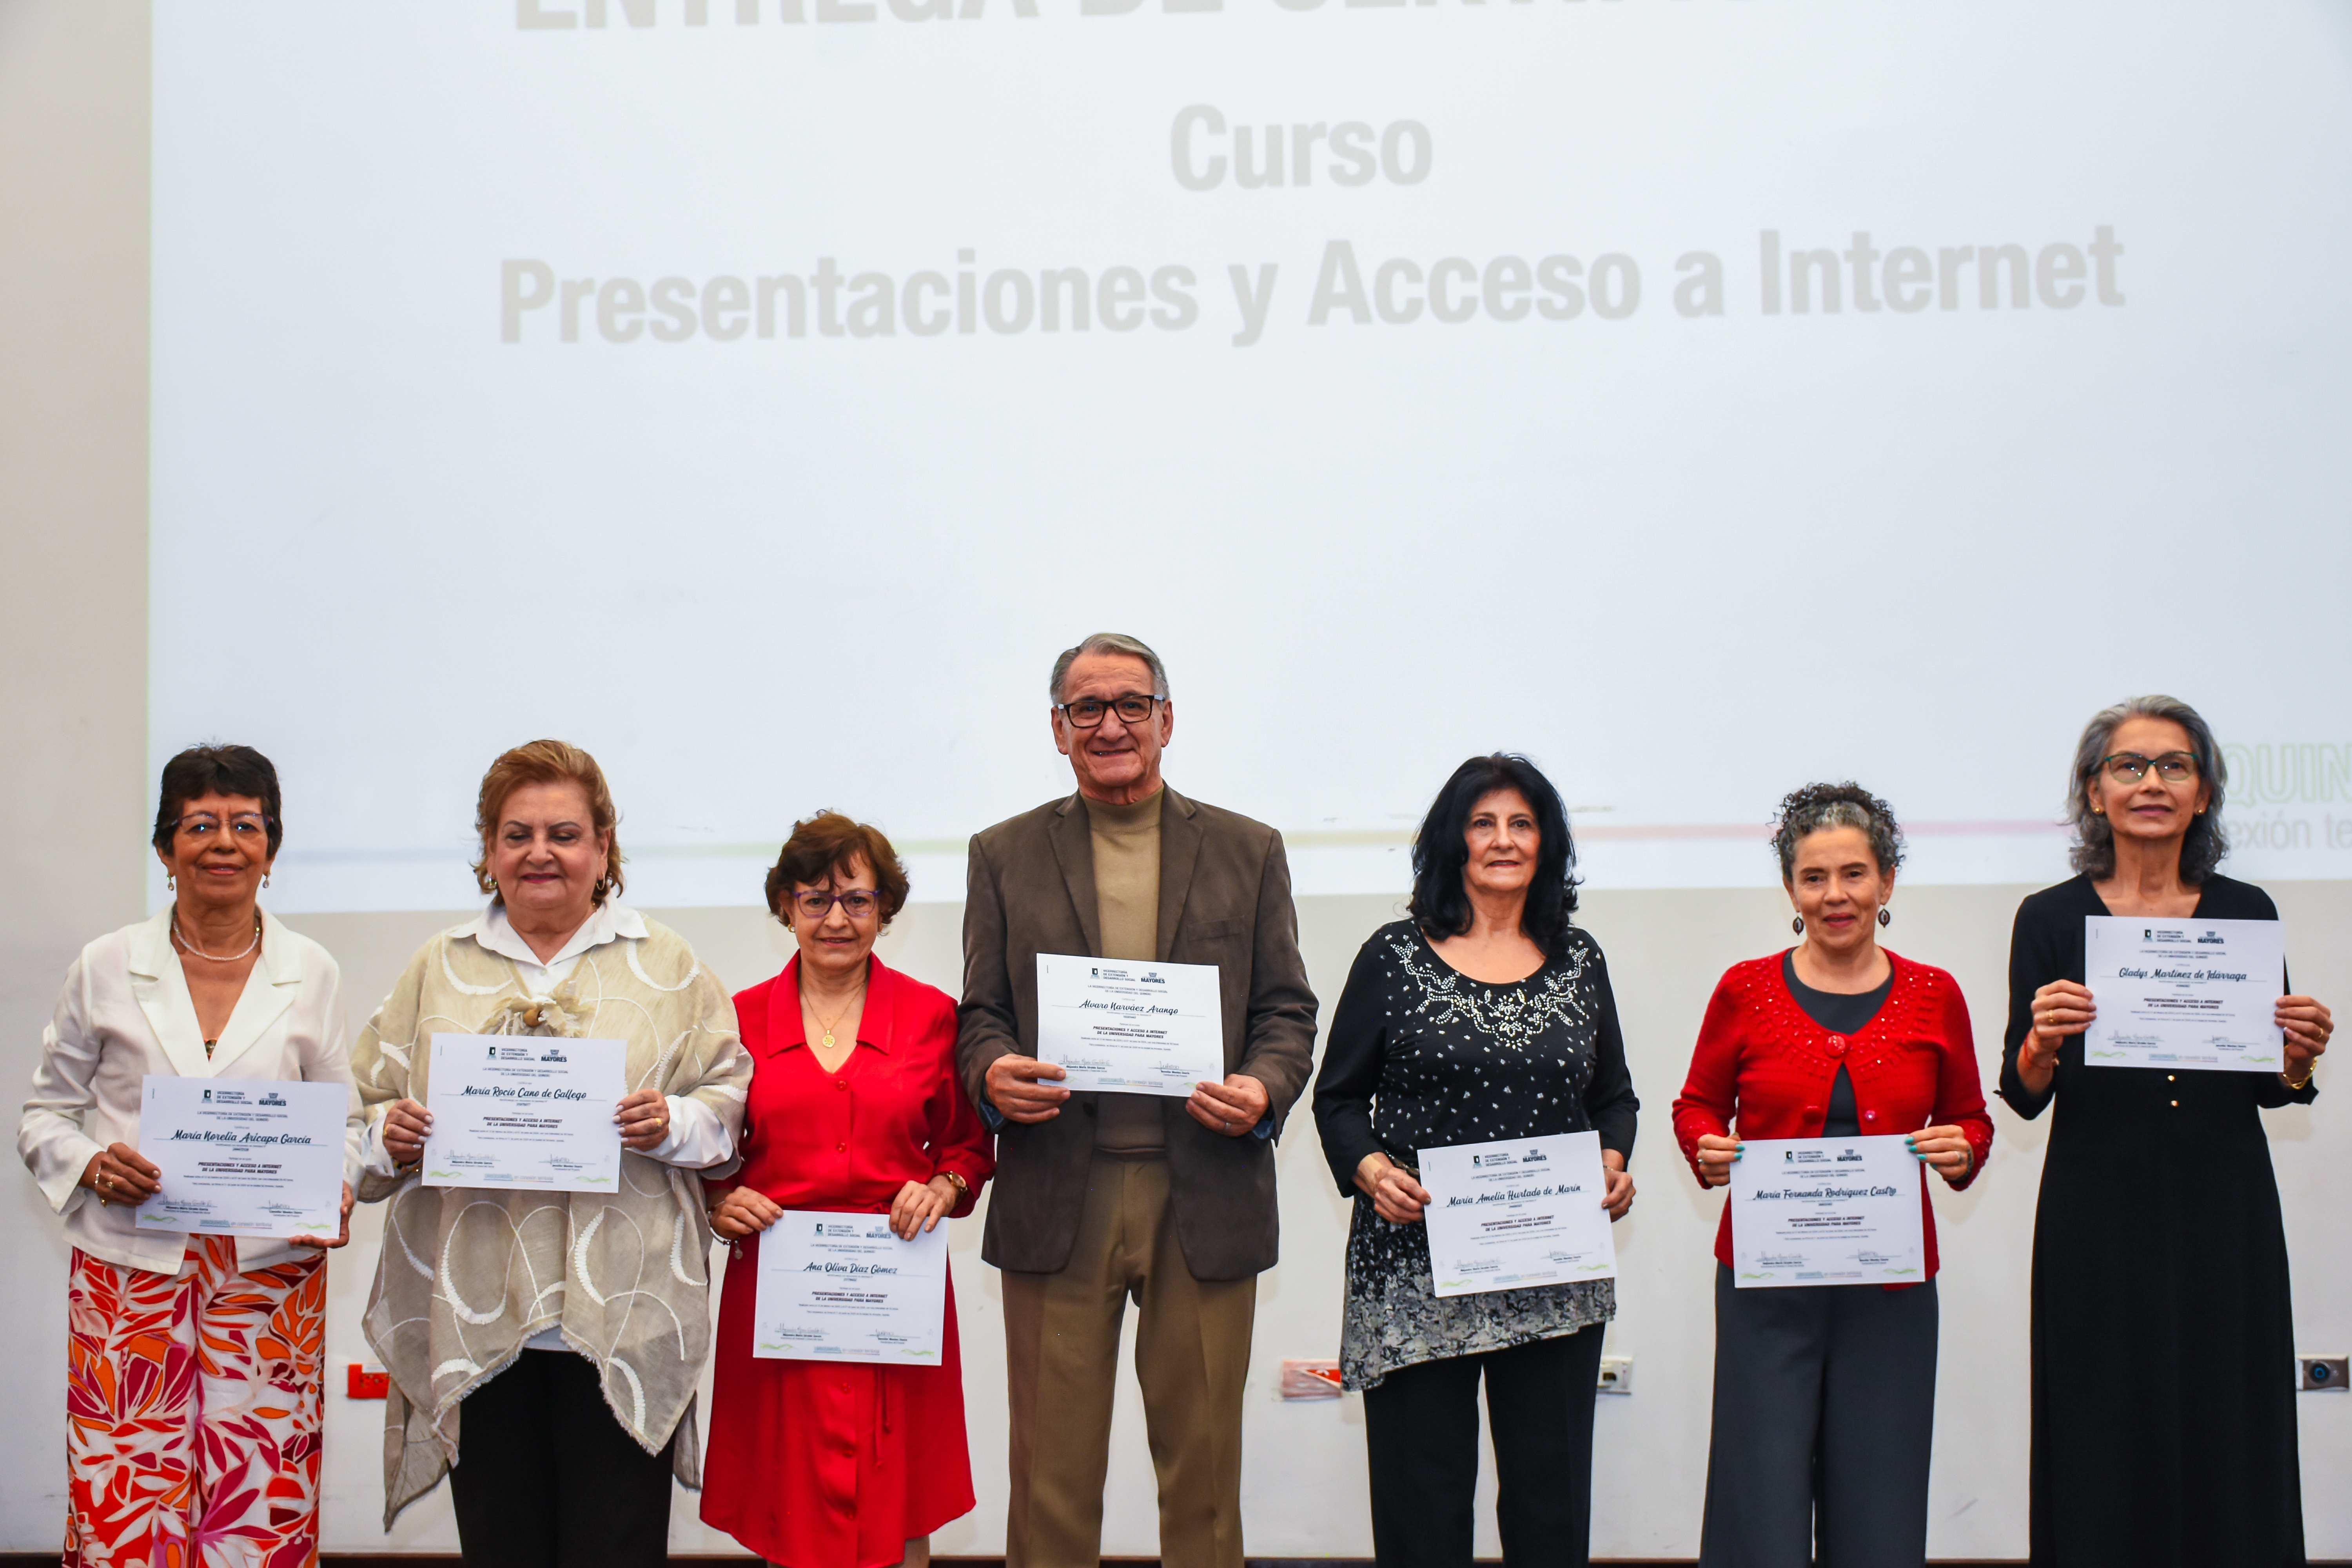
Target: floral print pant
x=193 y=1412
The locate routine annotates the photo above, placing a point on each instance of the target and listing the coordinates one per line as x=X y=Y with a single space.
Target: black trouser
x=1824 y=1414
x=1421 y=1428
x=546 y=1478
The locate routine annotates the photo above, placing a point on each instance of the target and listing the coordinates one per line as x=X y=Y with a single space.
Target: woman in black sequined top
x=1484 y=1016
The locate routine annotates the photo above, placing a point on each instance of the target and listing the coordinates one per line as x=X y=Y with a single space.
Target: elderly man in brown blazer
x=1103 y=1196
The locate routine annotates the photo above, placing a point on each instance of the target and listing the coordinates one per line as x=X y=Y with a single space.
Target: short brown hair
x=829 y=843
x=548 y=763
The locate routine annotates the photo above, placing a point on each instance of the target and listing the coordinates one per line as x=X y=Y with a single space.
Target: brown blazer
x=1224 y=898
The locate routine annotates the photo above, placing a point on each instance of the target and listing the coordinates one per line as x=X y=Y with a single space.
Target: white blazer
x=125 y=1011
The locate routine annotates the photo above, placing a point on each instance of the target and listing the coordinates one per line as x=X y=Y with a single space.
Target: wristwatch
x=959 y=1185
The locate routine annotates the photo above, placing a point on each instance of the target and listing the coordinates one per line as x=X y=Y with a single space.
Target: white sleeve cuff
x=61 y=1184
x=374 y=1155
x=697 y=1140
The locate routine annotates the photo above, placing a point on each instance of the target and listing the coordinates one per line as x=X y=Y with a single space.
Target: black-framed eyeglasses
x=2130 y=767
x=856 y=903
x=1087 y=712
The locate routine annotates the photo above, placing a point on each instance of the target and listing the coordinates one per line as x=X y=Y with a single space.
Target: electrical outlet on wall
x=2322 y=1373
x=1616 y=1374
x=366 y=1382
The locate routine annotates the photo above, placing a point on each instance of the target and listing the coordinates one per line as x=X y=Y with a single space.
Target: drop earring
x=170 y=883
x=1798 y=925
x=1885 y=916
x=265 y=879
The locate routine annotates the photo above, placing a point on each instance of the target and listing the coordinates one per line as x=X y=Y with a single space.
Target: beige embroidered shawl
x=467 y=1275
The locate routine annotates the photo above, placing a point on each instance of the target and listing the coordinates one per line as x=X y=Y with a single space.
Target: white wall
x=73 y=160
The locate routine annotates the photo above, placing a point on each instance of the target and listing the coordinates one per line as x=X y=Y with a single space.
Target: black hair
x=201 y=771
x=1807 y=811
x=1440 y=905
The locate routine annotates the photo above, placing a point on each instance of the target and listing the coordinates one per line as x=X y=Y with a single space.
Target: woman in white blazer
x=194 y=1362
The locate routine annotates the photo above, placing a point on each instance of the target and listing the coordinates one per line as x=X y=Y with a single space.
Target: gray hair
x=1109 y=642
x=2094 y=849
x=1820 y=807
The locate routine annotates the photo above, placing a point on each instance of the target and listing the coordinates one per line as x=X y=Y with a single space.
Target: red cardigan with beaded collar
x=1762 y=1060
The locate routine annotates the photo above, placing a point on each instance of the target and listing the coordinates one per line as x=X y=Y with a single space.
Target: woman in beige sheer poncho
x=545 y=1347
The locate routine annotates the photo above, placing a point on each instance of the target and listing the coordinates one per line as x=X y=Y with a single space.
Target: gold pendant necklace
x=837 y=1017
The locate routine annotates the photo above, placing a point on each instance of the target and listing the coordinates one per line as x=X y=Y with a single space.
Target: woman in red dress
x=855 y=1108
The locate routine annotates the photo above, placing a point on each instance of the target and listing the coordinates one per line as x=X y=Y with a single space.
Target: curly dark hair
x=1807 y=811
x=1440 y=906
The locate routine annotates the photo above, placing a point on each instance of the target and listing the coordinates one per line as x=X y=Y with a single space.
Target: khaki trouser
x=1191 y=1354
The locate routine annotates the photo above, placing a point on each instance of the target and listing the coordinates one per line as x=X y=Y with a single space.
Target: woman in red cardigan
x=1826 y=1394
x=855 y=1108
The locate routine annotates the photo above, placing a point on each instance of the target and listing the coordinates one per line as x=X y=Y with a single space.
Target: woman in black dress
x=2164 y=1420
x=1485 y=1015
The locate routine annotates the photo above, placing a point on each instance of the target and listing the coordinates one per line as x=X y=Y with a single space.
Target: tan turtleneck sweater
x=1127 y=901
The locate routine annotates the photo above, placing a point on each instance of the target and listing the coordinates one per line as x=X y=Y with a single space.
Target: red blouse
x=1762 y=1059
x=817 y=1464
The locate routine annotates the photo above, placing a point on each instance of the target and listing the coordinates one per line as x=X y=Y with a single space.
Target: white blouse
x=126 y=1012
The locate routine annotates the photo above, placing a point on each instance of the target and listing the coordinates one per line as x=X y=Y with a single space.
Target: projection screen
x=1702 y=396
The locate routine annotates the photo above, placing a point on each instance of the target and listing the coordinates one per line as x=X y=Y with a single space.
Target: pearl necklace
x=214 y=957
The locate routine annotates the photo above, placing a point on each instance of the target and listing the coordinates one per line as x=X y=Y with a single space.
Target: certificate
x=525 y=1110
x=1133 y=1028
x=2185 y=993
x=244 y=1156
x=842 y=1287
x=1826 y=1211
x=1522 y=1212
